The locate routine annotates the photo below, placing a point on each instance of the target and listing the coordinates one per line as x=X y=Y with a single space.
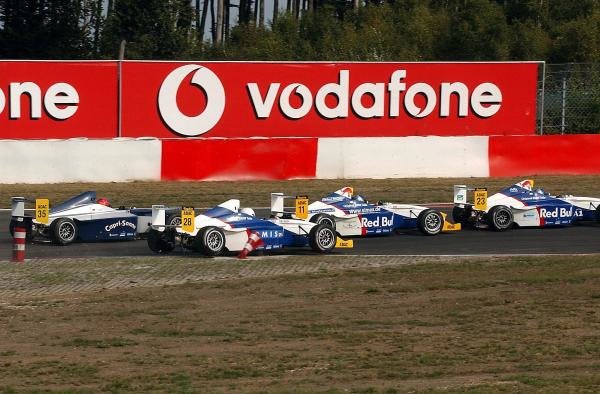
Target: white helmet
x=247 y=211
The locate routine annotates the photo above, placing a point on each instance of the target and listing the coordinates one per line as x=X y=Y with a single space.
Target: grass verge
x=256 y=193
x=297 y=324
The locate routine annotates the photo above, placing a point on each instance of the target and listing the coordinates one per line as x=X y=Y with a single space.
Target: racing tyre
x=430 y=222
x=173 y=219
x=211 y=241
x=63 y=231
x=598 y=214
x=323 y=218
x=161 y=242
x=321 y=238
x=500 y=218
x=460 y=215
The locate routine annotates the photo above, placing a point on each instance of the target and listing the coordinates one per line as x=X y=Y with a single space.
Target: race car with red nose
x=352 y=215
x=228 y=228
x=82 y=218
x=521 y=205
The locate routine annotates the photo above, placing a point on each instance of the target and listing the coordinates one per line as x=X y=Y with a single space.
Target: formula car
x=523 y=206
x=226 y=227
x=83 y=218
x=353 y=215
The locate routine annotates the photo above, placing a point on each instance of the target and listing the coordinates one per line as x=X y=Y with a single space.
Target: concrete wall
x=118 y=160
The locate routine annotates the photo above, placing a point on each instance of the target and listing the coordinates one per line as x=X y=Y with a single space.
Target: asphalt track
x=580 y=239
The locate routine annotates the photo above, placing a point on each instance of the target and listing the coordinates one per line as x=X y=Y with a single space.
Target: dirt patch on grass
x=256 y=193
x=500 y=324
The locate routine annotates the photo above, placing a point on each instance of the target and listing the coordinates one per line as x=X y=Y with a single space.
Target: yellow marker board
x=480 y=198
x=344 y=243
x=187 y=219
x=302 y=207
x=42 y=210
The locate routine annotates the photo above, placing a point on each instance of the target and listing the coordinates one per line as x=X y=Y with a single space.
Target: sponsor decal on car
x=380 y=221
x=119 y=223
x=364 y=210
x=561 y=212
x=271 y=234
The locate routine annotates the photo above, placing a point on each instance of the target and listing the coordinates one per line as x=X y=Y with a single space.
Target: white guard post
x=460 y=194
x=158 y=217
x=18 y=207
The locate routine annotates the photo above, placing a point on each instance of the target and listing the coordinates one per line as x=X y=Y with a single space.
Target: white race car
x=353 y=215
x=226 y=227
x=522 y=205
x=82 y=218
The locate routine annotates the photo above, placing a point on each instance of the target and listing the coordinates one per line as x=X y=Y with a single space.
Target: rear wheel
x=161 y=242
x=323 y=218
x=63 y=231
x=173 y=219
x=430 y=222
x=500 y=218
x=598 y=214
x=459 y=215
x=211 y=241
x=321 y=238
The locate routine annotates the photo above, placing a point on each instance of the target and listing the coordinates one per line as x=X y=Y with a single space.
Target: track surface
x=568 y=240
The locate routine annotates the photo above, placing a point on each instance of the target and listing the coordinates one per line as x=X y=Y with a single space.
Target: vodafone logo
x=203 y=79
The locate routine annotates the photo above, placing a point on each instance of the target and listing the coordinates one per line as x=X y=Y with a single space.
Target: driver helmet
x=359 y=198
x=103 y=201
x=248 y=211
x=540 y=191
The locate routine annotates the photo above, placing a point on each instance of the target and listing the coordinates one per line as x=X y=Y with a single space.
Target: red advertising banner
x=58 y=99
x=244 y=99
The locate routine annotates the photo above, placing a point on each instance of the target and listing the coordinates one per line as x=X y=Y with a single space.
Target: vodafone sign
x=41 y=100
x=230 y=99
x=245 y=99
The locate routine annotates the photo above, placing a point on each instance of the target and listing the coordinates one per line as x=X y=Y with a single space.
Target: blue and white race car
x=352 y=215
x=524 y=206
x=82 y=218
x=227 y=228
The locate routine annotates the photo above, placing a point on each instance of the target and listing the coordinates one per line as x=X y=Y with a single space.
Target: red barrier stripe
x=236 y=159
x=544 y=155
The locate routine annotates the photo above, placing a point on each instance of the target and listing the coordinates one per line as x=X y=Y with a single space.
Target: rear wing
x=460 y=194
x=17 y=206
x=461 y=197
x=278 y=206
x=159 y=213
x=42 y=209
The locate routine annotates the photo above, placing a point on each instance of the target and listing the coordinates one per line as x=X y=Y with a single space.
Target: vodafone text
x=60 y=101
x=484 y=100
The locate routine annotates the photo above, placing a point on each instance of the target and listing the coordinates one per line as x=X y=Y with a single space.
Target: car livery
x=82 y=218
x=354 y=216
x=524 y=206
x=226 y=227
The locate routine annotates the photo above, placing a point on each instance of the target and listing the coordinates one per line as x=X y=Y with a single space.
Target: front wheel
x=161 y=242
x=63 y=231
x=321 y=238
x=211 y=241
x=430 y=222
x=500 y=218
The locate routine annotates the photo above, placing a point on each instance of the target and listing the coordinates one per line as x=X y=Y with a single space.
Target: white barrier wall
x=79 y=160
x=402 y=157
